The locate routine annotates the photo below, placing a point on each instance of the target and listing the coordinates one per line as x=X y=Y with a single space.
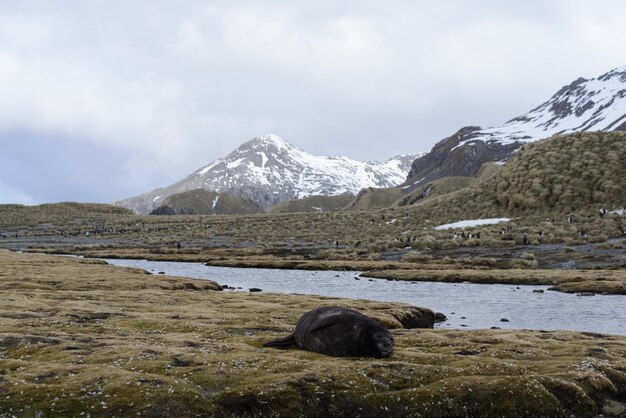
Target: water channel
x=467 y=306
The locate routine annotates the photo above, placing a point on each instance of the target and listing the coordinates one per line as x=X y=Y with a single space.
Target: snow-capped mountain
x=597 y=104
x=269 y=170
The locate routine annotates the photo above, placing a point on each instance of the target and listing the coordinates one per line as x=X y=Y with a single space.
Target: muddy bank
x=81 y=336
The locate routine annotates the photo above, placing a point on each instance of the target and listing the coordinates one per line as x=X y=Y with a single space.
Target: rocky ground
x=82 y=338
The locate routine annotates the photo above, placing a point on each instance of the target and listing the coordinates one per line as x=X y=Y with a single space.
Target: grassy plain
x=396 y=243
x=82 y=338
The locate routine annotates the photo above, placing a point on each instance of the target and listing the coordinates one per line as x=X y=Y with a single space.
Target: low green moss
x=107 y=341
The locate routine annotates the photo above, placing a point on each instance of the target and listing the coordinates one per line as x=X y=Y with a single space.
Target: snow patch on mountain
x=269 y=160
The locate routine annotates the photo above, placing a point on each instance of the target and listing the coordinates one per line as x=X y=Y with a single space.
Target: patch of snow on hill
x=472 y=223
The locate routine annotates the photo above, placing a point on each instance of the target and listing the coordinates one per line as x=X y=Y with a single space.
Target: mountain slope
x=562 y=174
x=597 y=104
x=269 y=170
x=439 y=187
x=374 y=198
x=203 y=202
x=313 y=204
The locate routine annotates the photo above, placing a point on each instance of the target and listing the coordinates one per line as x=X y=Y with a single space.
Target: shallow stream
x=467 y=306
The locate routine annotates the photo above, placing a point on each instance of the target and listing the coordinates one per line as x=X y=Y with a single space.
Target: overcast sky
x=103 y=100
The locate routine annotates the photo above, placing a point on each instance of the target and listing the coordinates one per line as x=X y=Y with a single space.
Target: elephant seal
x=338 y=332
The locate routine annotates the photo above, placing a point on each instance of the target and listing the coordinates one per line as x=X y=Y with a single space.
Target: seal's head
x=382 y=342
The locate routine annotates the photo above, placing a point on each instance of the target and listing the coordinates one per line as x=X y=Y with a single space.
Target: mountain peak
x=268 y=169
x=265 y=144
x=615 y=71
x=271 y=140
x=596 y=104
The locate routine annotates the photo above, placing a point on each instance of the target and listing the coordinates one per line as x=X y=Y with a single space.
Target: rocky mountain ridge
x=597 y=104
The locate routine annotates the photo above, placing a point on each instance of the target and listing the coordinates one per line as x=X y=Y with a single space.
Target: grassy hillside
x=569 y=173
x=313 y=204
x=438 y=187
x=488 y=169
x=59 y=213
x=204 y=202
x=373 y=198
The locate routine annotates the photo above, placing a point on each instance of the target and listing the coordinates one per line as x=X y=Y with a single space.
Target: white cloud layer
x=175 y=85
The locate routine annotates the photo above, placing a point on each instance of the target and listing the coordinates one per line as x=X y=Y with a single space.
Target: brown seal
x=339 y=332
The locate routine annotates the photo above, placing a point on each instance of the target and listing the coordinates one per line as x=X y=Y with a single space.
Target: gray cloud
x=159 y=88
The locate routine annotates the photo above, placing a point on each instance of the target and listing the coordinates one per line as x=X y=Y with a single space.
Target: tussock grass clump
x=484 y=261
x=527 y=261
x=416 y=257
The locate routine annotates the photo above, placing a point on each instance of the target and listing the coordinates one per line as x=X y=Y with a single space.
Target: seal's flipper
x=281 y=342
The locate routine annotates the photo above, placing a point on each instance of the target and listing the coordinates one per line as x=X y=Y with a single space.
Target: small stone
x=504 y=320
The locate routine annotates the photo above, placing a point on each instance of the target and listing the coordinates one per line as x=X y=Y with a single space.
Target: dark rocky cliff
x=447 y=158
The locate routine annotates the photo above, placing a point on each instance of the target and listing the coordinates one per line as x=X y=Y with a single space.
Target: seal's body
x=339 y=332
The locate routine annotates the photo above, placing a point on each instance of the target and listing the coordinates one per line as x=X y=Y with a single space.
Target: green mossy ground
x=81 y=338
